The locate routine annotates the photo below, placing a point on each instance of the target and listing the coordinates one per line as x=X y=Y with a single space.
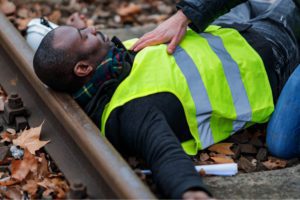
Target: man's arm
x=144 y=131
x=203 y=12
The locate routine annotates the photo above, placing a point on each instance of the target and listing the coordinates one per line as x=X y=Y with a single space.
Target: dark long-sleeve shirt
x=204 y=12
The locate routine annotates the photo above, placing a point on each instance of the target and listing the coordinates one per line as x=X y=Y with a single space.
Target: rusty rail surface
x=76 y=145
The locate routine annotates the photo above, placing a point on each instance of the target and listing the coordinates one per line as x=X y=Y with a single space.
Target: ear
x=83 y=68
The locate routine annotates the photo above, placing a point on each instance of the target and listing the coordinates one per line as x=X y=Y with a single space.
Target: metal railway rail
x=76 y=147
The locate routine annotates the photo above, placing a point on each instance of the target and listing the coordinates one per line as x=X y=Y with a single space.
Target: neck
x=110 y=68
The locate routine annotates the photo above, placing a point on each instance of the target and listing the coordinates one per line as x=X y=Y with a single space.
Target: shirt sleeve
x=145 y=132
x=204 y=12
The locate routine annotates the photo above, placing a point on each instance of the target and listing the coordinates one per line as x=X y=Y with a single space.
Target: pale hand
x=195 y=195
x=171 y=30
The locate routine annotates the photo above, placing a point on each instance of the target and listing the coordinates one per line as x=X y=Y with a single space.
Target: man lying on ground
x=164 y=108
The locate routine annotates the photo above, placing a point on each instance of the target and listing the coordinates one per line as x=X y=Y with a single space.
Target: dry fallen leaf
x=7 y=137
x=204 y=157
x=22 y=25
x=31 y=187
x=43 y=170
x=202 y=172
x=7 y=7
x=274 y=163
x=14 y=81
x=8 y=181
x=129 y=10
x=13 y=193
x=30 y=139
x=56 y=185
x=221 y=160
x=223 y=148
x=55 y=16
x=21 y=168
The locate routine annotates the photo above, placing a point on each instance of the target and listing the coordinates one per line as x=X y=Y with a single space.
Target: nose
x=92 y=30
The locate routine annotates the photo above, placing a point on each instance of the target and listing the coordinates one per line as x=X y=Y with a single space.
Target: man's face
x=82 y=42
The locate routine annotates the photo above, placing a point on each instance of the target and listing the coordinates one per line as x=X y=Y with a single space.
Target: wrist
x=183 y=18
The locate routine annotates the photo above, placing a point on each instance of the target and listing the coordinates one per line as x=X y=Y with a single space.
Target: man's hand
x=171 y=30
x=195 y=195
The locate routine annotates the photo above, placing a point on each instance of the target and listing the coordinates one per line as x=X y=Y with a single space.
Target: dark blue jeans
x=283 y=133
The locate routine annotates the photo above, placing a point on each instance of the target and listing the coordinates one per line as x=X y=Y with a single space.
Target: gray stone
x=276 y=184
x=262 y=154
x=241 y=138
x=246 y=165
x=3 y=152
x=248 y=148
x=256 y=142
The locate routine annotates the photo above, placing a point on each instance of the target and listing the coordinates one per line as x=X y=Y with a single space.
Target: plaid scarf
x=109 y=68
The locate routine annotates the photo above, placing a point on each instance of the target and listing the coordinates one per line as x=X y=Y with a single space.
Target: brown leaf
x=220 y=155
x=8 y=181
x=47 y=193
x=14 y=81
x=22 y=25
x=43 y=170
x=55 y=16
x=274 y=163
x=46 y=183
x=7 y=137
x=23 y=13
x=30 y=139
x=129 y=10
x=202 y=172
x=21 y=168
x=14 y=193
x=204 y=157
x=8 y=7
x=221 y=160
x=223 y=148
x=31 y=187
x=56 y=185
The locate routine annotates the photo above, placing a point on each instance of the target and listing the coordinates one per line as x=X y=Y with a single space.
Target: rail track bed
x=75 y=145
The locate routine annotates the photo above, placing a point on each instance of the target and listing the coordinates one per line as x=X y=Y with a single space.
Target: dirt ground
x=101 y=13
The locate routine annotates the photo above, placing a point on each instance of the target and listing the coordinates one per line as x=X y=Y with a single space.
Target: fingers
x=173 y=44
x=141 y=40
x=175 y=41
x=148 y=40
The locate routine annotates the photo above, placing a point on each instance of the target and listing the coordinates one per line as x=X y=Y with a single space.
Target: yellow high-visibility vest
x=218 y=77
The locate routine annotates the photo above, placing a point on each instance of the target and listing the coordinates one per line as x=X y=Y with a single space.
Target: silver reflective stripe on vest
x=233 y=76
x=199 y=95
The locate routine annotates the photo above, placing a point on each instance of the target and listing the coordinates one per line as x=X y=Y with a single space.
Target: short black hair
x=54 y=66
